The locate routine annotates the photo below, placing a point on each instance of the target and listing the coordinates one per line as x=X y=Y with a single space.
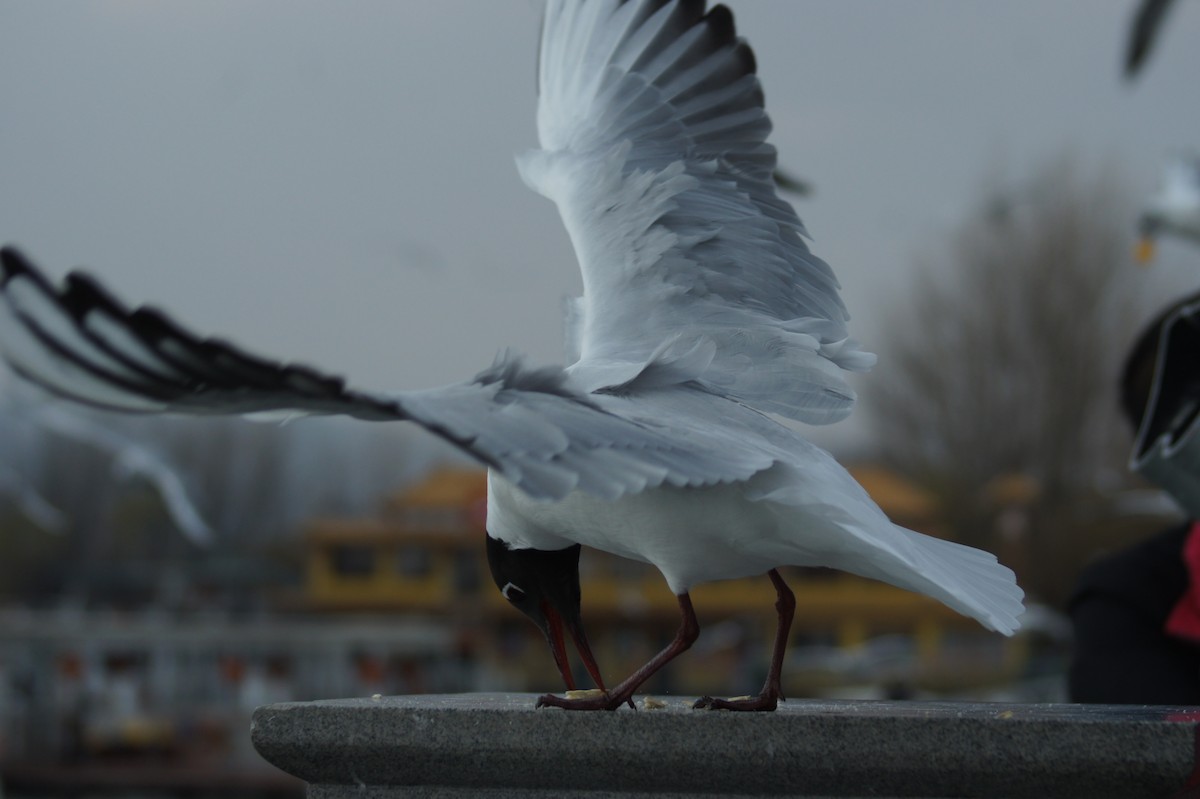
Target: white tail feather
x=966 y=579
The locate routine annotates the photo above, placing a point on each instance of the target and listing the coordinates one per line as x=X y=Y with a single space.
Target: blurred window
x=466 y=572
x=433 y=518
x=353 y=560
x=413 y=561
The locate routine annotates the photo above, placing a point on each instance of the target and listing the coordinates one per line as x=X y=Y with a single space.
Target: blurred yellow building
x=424 y=555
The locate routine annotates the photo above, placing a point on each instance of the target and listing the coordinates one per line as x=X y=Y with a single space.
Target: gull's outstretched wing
x=653 y=136
x=530 y=425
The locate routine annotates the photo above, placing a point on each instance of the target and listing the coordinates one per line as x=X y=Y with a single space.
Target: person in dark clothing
x=1123 y=654
x=1136 y=612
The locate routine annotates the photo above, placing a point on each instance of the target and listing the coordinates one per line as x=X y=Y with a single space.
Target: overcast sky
x=333 y=182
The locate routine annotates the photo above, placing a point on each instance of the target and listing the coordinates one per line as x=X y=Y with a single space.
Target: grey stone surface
x=499 y=745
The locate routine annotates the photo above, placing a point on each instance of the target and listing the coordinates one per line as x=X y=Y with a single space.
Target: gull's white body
x=703 y=311
x=803 y=510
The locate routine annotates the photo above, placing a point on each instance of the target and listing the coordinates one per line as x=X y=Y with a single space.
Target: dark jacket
x=1119 y=610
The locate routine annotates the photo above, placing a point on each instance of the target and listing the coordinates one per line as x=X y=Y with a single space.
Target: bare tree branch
x=1002 y=363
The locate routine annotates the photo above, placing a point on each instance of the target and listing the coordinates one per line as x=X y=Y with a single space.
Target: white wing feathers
x=530 y=425
x=653 y=137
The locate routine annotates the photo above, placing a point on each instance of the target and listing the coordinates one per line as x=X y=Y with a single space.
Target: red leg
x=689 y=631
x=772 y=692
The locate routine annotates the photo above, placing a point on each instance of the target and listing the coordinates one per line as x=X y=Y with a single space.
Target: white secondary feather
x=703 y=311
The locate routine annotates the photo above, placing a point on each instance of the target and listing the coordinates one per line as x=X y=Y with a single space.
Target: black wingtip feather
x=723 y=29
x=720 y=23
x=692 y=9
x=13 y=262
x=83 y=293
x=745 y=54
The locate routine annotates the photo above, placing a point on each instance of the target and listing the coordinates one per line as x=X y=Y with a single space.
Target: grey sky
x=333 y=182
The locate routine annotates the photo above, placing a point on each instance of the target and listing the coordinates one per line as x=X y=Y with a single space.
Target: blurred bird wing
x=653 y=137
x=131 y=459
x=30 y=502
x=530 y=425
x=1146 y=28
x=1181 y=179
x=1175 y=206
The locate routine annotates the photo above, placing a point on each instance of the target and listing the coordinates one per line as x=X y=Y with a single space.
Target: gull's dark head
x=544 y=585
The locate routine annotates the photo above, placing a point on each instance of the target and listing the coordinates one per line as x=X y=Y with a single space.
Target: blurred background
x=334 y=185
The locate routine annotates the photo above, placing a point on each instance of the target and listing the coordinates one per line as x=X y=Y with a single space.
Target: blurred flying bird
x=1143 y=34
x=788 y=182
x=29 y=501
x=703 y=311
x=1174 y=209
x=132 y=460
x=128 y=460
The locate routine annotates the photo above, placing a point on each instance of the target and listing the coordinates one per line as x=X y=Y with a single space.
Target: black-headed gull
x=703 y=311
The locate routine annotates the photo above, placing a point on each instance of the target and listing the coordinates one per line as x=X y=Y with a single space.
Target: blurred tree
x=997 y=385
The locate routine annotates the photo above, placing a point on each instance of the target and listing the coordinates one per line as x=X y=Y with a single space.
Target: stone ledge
x=498 y=745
